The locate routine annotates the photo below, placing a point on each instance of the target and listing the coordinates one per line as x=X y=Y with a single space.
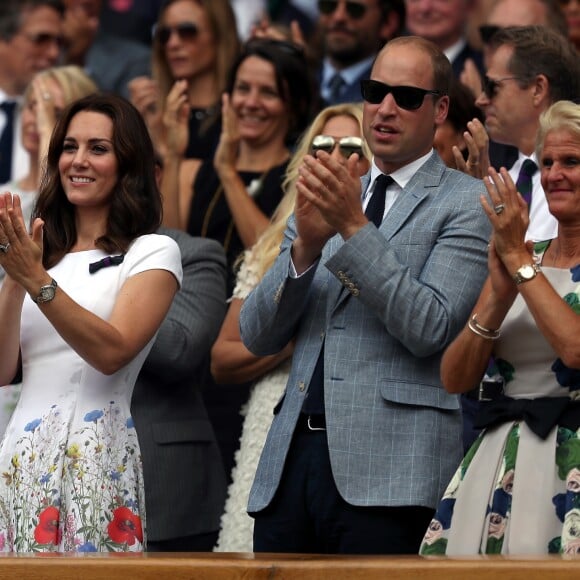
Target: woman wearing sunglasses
x=338 y=131
x=196 y=42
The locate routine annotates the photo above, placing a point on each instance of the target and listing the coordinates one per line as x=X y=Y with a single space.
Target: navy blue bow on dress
x=540 y=414
x=106 y=262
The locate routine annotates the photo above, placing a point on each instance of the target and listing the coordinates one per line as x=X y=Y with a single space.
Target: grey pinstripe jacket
x=385 y=303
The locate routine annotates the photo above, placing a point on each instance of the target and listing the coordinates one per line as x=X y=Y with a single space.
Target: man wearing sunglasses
x=352 y=32
x=30 y=41
x=375 y=277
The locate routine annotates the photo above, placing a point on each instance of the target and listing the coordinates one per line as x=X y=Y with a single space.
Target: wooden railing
x=207 y=566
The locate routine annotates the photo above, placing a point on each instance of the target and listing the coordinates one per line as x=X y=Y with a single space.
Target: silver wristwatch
x=46 y=293
x=526 y=273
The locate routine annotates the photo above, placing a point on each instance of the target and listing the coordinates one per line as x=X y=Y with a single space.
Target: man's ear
x=441 y=110
x=541 y=93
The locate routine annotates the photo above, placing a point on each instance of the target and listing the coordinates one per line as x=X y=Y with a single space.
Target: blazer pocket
x=421 y=395
x=182 y=432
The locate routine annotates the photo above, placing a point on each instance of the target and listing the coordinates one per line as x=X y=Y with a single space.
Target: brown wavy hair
x=135 y=207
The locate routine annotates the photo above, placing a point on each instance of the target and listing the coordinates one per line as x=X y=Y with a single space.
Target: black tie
x=6 y=141
x=335 y=88
x=376 y=206
x=524 y=181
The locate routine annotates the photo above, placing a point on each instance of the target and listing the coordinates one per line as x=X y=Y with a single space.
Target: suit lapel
x=425 y=182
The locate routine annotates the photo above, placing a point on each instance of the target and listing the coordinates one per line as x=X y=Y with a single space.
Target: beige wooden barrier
x=207 y=566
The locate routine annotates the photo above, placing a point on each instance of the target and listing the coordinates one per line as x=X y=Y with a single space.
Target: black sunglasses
x=186 y=31
x=409 y=98
x=346 y=145
x=486 y=31
x=490 y=86
x=44 y=39
x=353 y=9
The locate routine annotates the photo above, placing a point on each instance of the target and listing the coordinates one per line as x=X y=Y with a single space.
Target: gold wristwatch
x=526 y=273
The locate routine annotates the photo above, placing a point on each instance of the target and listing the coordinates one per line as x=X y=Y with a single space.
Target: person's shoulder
x=152 y=242
x=195 y=246
x=116 y=45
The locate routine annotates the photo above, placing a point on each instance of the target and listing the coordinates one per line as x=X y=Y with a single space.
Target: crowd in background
x=254 y=109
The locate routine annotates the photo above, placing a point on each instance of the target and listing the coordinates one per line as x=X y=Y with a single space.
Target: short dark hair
x=11 y=12
x=539 y=50
x=293 y=78
x=136 y=207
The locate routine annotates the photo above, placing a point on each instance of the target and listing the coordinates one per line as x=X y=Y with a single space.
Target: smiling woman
x=70 y=457
x=230 y=198
x=517 y=490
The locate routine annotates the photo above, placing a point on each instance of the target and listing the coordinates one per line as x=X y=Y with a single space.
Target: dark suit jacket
x=113 y=61
x=185 y=483
x=350 y=93
x=467 y=52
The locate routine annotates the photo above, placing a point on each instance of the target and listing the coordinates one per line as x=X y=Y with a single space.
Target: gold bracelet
x=487 y=333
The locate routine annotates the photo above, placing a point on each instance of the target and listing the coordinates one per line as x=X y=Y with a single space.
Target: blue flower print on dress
x=93 y=416
x=32 y=425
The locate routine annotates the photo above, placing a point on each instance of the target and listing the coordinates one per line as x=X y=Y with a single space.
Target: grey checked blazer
x=185 y=483
x=385 y=303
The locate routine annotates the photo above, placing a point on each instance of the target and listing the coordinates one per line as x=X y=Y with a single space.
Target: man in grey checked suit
x=361 y=470
x=185 y=483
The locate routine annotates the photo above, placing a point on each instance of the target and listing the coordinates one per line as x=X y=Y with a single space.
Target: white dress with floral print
x=70 y=460
x=514 y=492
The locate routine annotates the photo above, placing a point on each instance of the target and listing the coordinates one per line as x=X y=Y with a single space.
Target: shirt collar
x=350 y=74
x=401 y=176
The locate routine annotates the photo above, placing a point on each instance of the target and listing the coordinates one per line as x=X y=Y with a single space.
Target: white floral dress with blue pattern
x=70 y=461
x=514 y=492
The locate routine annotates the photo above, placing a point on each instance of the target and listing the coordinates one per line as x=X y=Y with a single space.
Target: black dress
x=210 y=215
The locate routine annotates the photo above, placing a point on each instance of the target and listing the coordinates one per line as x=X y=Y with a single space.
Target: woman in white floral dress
x=231 y=360
x=70 y=460
x=517 y=490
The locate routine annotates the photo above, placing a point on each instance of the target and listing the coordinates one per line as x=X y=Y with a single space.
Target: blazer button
x=301 y=386
x=355 y=291
x=341 y=275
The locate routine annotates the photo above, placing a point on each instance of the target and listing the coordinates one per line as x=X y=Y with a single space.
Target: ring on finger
x=498 y=208
x=46 y=96
x=4 y=247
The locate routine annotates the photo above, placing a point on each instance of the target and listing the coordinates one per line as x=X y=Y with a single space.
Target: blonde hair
x=561 y=115
x=72 y=79
x=267 y=247
x=222 y=22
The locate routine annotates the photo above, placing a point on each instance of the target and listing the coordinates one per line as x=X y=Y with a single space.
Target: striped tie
x=524 y=182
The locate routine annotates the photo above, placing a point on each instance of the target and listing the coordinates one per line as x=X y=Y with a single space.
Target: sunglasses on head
x=353 y=9
x=486 y=31
x=186 y=31
x=490 y=86
x=346 y=145
x=409 y=98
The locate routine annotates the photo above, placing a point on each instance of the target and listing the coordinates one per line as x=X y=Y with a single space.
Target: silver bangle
x=487 y=333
